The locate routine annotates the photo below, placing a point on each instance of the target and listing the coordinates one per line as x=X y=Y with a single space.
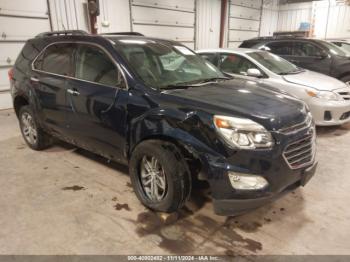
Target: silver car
x=327 y=97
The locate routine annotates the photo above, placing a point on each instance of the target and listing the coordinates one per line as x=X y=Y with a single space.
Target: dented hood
x=248 y=99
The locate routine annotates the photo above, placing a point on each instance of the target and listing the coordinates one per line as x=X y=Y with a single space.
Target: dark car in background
x=313 y=54
x=170 y=115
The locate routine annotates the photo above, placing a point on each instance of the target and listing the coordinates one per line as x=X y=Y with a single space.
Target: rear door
x=281 y=48
x=97 y=98
x=50 y=71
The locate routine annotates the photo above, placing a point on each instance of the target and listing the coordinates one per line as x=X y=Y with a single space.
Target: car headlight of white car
x=325 y=95
x=243 y=133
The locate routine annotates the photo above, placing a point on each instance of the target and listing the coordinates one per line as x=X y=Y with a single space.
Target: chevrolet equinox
x=170 y=115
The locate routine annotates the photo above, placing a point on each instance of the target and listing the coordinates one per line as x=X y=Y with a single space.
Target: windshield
x=336 y=50
x=162 y=65
x=274 y=63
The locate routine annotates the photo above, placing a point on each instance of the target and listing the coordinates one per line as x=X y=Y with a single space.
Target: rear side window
x=211 y=57
x=56 y=59
x=92 y=64
x=307 y=49
x=280 y=48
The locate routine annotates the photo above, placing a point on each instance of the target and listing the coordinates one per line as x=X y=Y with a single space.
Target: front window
x=343 y=45
x=162 y=65
x=235 y=64
x=307 y=49
x=93 y=65
x=335 y=50
x=274 y=63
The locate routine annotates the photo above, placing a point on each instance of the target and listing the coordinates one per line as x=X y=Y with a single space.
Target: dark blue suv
x=171 y=116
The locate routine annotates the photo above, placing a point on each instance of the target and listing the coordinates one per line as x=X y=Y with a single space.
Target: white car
x=327 y=97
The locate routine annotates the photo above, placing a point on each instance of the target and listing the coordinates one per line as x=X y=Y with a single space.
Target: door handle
x=73 y=92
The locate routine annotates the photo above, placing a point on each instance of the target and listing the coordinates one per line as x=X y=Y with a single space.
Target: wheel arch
x=18 y=102
x=192 y=157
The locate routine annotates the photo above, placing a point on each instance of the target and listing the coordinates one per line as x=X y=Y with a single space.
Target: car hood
x=243 y=98
x=315 y=80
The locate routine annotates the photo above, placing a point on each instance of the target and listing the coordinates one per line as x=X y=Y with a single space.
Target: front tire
x=160 y=176
x=32 y=133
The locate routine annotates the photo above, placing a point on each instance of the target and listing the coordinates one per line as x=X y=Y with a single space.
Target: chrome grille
x=301 y=152
x=298 y=127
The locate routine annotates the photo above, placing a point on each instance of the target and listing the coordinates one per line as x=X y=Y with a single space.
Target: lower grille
x=301 y=152
x=345 y=116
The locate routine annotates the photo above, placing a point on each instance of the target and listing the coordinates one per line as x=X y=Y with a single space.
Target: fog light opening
x=242 y=181
x=327 y=116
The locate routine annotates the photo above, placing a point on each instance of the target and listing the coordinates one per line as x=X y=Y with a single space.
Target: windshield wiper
x=188 y=84
x=212 y=79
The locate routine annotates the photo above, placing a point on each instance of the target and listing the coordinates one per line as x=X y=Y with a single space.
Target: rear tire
x=32 y=133
x=168 y=172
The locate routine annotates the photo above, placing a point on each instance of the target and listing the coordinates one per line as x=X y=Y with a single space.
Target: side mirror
x=254 y=72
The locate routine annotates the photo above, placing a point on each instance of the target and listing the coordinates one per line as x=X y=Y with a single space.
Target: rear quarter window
x=28 y=53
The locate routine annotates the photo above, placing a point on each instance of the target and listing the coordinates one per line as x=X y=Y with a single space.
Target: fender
x=187 y=129
x=341 y=69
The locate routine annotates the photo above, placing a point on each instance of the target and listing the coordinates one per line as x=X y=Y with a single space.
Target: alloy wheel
x=153 y=179
x=29 y=129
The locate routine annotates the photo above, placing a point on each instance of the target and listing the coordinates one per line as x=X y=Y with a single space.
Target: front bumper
x=234 y=207
x=336 y=112
x=269 y=164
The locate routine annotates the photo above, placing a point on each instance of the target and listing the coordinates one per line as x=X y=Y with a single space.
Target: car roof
x=229 y=50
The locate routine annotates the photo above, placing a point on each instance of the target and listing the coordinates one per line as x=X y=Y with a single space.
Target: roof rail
x=123 y=33
x=275 y=37
x=64 y=32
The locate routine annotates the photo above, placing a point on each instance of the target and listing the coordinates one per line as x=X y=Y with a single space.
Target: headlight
x=325 y=95
x=243 y=133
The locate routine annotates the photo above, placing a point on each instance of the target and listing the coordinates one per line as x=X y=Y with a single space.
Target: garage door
x=19 y=20
x=165 y=19
x=244 y=20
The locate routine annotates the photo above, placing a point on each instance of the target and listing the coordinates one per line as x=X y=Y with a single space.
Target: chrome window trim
x=74 y=78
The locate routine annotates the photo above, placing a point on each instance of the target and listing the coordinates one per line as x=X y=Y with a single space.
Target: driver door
x=236 y=65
